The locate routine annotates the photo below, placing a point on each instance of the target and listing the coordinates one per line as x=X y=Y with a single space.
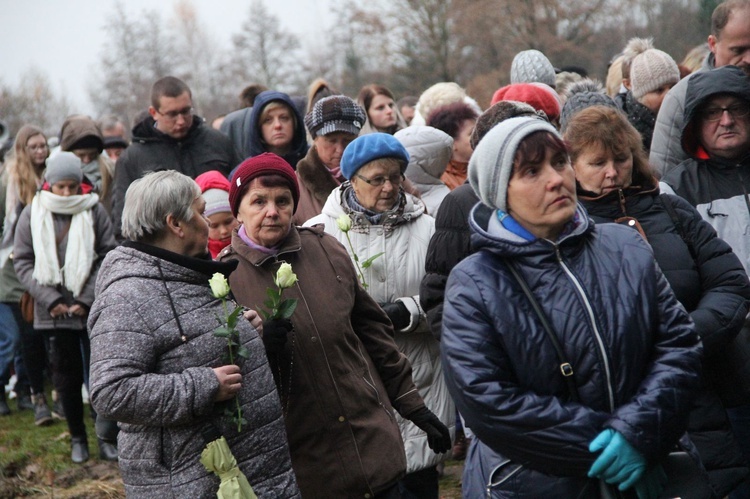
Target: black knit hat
x=582 y=94
x=337 y=113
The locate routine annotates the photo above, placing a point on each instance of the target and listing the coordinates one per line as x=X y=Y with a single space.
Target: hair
x=249 y=93
x=169 y=86
x=152 y=198
x=21 y=171
x=534 y=147
x=278 y=104
x=694 y=58
x=109 y=122
x=407 y=101
x=318 y=89
x=451 y=117
x=607 y=128
x=368 y=93
x=268 y=181
x=723 y=12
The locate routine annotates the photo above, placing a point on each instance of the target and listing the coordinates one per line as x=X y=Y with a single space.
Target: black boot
x=79 y=449
x=4 y=408
x=107 y=451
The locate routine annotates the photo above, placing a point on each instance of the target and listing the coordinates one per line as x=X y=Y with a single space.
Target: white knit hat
x=531 y=66
x=491 y=163
x=650 y=68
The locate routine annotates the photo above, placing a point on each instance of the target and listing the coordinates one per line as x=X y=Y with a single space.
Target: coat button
x=342 y=419
x=314 y=339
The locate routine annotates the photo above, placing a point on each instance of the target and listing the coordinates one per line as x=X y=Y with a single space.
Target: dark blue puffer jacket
x=633 y=348
x=254 y=142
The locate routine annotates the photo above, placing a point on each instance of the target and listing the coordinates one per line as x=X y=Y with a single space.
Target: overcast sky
x=64 y=38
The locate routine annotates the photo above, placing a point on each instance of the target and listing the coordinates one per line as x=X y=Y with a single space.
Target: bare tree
x=33 y=102
x=265 y=53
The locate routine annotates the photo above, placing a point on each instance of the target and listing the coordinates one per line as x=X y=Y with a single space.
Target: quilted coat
x=635 y=355
x=395 y=276
x=152 y=357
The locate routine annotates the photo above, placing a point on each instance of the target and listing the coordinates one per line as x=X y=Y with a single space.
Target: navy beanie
x=370 y=147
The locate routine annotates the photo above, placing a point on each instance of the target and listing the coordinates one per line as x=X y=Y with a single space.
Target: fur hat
x=583 y=94
x=63 y=166
x=537 y=95
x=370 y=147
x=650 y=68
x=336 y=113
x=532 y=66
x=262 y=164
x=439 y=95
x=491 y=163
x=501 y=111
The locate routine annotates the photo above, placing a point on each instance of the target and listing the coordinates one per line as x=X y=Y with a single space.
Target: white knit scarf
x=79 y=255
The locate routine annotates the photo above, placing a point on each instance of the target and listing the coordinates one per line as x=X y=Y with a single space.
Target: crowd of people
x=553 y=289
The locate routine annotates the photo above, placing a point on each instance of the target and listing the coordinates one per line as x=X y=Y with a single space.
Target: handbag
x=686 y=479
x=26 y=303
x=729 y=375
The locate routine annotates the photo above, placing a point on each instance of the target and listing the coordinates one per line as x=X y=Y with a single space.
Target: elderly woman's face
x=266 y=213
x=542 y=196
x=601 y=171
x=195 y=230
x=331 y=147
x=377 y=185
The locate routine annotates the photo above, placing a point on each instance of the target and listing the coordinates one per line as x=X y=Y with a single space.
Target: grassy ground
x=35 y=462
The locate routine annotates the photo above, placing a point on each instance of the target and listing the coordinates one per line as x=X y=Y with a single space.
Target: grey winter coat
x=666 y=147
x=152 y=354
x=46 y=297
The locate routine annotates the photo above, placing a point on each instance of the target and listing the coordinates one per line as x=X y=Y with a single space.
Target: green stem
x=231 y=361
x=356 y=261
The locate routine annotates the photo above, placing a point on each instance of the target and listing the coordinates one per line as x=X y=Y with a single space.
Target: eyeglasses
x=737 y=111
x=37 y=148
x=172 y=115
x=395 y=180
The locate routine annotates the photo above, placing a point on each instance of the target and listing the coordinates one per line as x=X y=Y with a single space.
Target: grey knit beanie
x=583 y=94
x=532 y=66
x=491 y=163
x=63 y=166
x=650 y=68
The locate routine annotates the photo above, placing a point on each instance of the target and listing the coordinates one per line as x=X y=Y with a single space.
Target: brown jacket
x=345 y=371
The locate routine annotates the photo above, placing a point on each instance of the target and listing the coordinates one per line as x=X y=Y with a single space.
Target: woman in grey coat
x=158 y=369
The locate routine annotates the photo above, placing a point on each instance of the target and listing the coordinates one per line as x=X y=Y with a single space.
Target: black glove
x=438 y=436
x=398 y=314
x=274 y=334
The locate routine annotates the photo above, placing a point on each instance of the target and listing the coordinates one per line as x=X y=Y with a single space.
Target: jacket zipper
x=597 y=334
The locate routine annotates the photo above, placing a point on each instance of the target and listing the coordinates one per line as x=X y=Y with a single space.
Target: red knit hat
x=536 y=95
x=257 y=166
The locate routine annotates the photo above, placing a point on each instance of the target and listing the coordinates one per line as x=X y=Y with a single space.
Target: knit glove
x=438 y=436
x=619 y=463
x=651 y=484
x=274 y=334
x=398 y=314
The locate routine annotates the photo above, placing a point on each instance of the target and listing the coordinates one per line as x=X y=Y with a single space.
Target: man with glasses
x=171 y=138
x=716 y=179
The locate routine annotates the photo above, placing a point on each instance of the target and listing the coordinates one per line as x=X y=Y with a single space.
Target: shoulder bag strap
x=565 y=367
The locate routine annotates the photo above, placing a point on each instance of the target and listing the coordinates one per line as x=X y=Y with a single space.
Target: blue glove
x=619 y=463
x=652 y=483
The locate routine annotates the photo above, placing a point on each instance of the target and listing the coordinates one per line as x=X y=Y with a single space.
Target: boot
x=4 y=407
x=42 y=414
x=79 y=449
x=24 y=403
x=57 y=408
x=107 y=451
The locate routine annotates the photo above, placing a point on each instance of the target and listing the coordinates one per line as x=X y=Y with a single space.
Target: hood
x=507 y=244
x=76 y=129
x=702 y=86
x=145 y=131
x=429 y=151
x=212 y=180
x=255 y=144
